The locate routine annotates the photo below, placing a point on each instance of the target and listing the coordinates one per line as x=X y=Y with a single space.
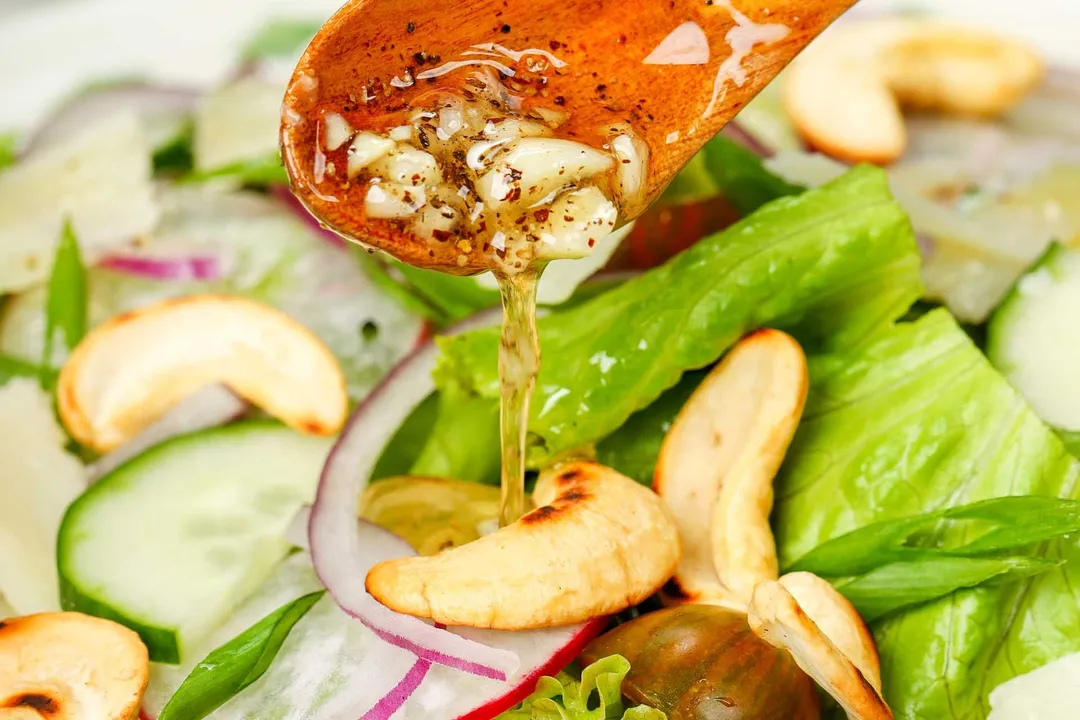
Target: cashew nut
x=128 y=372
x=715 y=472
x=778 y=618
x=597 y=543
x=69 y=665
x=845 y=92
x=717 y=463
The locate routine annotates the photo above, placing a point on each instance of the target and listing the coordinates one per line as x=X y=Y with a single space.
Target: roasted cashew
x=715 y=472
x=717 y=463
x=70 y=665
x=845 y=92
x=778 y=618
x=127 y=373
x=597 y=543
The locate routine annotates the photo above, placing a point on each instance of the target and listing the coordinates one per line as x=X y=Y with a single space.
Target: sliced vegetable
x=189 y=268
x=918 y=421
x=236 y=665
x=1033 y=338
x=131 y=370
x=209 y=510
x=66 y=307
x=98 y=178
x=38 y=481
x=67 y=665
x=597 y=543
x=831 y=266
x=1047 y=692
x=598 y=696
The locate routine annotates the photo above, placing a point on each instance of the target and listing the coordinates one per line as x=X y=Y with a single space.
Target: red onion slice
x=400 y=694
x=181 y=268
x=737 y=132
x=343 y=554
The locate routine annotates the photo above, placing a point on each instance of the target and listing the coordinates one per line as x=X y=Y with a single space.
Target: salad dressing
x=519 y=363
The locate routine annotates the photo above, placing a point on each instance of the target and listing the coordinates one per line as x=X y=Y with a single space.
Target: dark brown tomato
x=700 y=662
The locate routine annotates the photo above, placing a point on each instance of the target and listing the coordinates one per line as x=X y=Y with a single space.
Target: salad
x=804 y=442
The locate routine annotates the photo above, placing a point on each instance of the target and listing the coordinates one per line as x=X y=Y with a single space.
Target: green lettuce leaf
x=915 y=421
x=833 y=266
x=725 y=168
x=464 y=442
x=9 y=142
x=634 y=448
x=598 y=696
x=280 y=38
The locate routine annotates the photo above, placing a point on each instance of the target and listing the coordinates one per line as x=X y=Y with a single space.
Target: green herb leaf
x=832 y=266
x=898 y=585
x=232 y=667
x=378 y=271
x=400 y=454
x=456 y=297
x=1008 y=523
x=9 y=142
x=280 y=38
x=176 y=157
x=260 y=172
x=741 y=177
x=66 y=307
x=598 y=696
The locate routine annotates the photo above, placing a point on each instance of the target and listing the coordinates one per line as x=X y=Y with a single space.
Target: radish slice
x=212 y=406
x=181 y=268
x=343 y=554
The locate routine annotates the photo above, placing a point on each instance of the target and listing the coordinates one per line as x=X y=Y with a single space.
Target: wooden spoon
x=676 y=70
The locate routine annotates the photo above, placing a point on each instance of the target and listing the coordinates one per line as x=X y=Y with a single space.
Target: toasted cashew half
x=69 y=666
x=717 y=464
x=778 y=618
x=128 y=372
x=844 y=93
x=597 y=543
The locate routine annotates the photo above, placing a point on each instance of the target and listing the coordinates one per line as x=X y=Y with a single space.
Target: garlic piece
x=366 y=148
x=575 y=223
x=336 y=131
x=407 y=166
x=534 y=167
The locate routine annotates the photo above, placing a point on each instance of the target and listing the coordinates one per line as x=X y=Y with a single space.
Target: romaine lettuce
x=832 y=265
x=915 y=421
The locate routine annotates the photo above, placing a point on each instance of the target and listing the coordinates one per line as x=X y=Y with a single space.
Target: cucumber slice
x=1034 y=337
x=172 y=541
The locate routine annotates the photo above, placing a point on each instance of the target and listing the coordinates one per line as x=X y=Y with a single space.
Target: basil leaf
x=66 y=307
x=280 y=38
x=232 y=667
x=1016 y=521
x=898 y=585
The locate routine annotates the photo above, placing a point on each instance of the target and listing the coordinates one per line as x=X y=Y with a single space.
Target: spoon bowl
x=675 y=71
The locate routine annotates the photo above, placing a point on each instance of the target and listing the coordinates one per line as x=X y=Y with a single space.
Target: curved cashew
x=597 y=543
x=69 y=665
x=717 y=463
x=844 y=93
x=128 y=372
x=778 y=618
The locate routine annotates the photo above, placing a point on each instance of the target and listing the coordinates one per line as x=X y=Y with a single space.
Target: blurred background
x=195 y=42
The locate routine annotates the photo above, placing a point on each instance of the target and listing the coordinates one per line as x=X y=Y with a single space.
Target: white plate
x=49 y=48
